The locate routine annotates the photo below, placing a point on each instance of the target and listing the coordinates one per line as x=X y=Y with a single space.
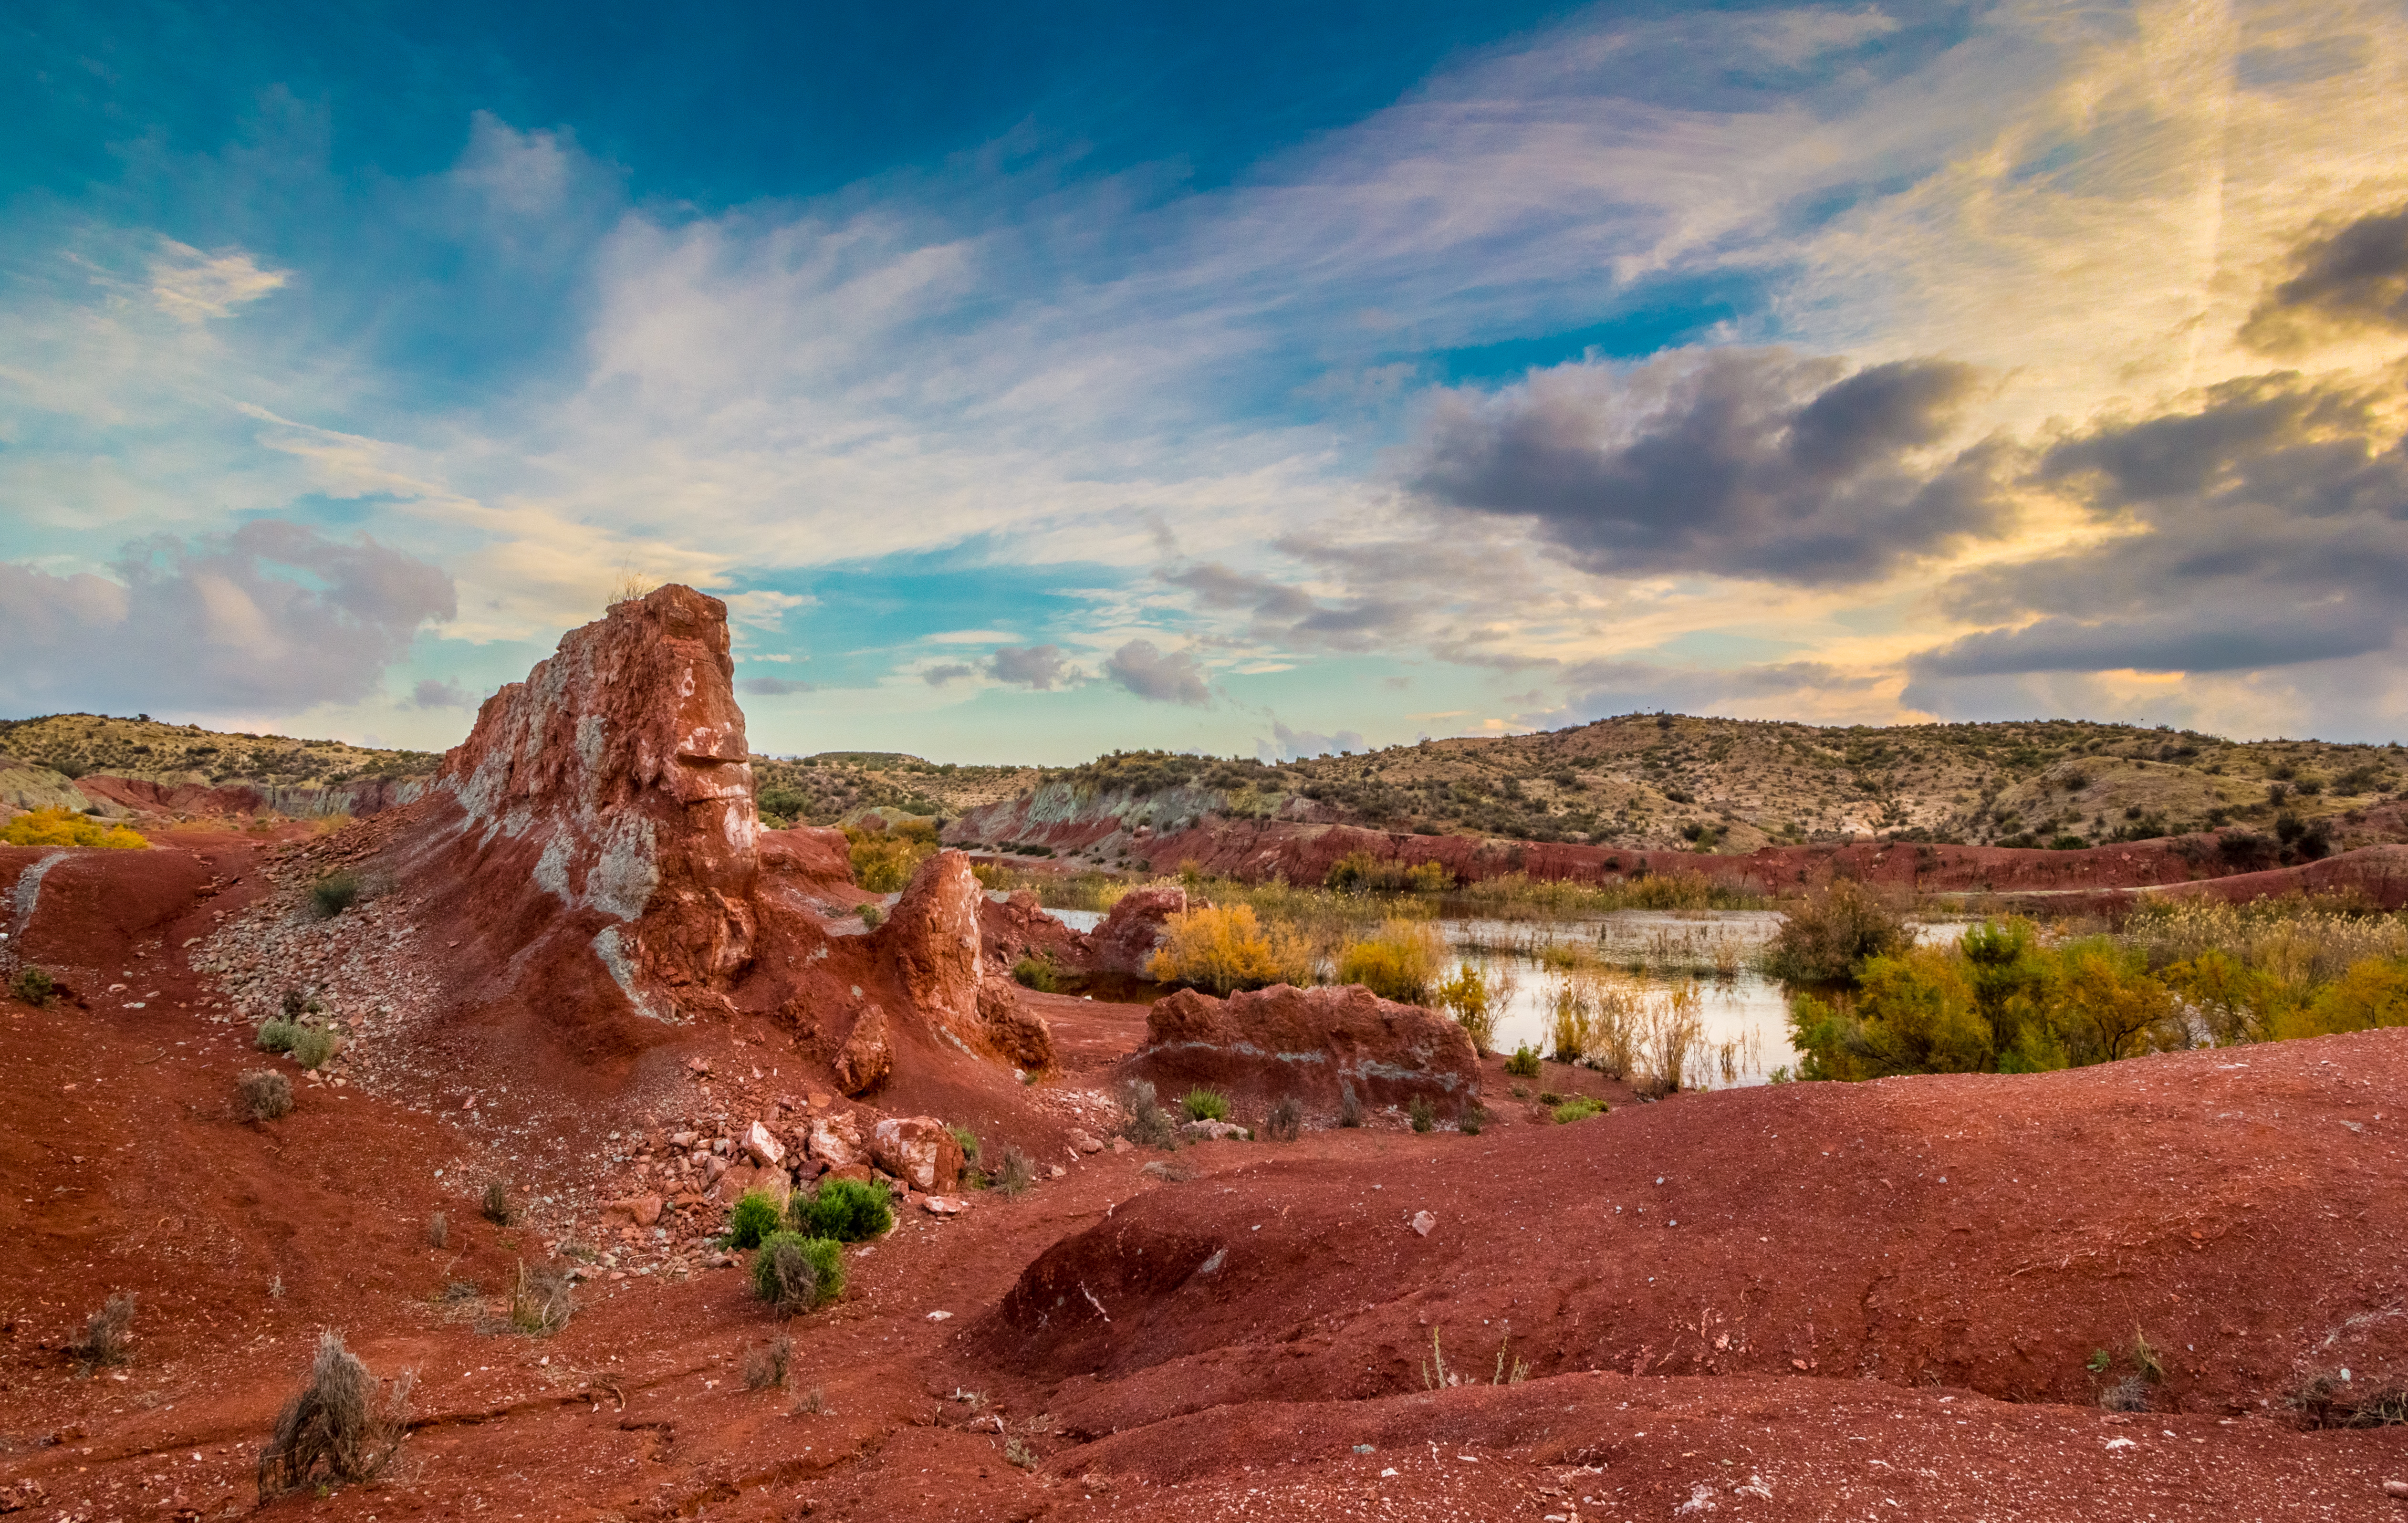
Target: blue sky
x=1246 y=379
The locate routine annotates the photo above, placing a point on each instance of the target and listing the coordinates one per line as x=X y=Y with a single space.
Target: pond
x=1649 y=963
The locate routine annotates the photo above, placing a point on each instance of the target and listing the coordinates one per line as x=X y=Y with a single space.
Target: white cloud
x=192 y=287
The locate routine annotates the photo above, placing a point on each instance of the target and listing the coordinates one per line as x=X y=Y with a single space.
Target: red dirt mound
x=1985 y=1232
x=1317 y=1045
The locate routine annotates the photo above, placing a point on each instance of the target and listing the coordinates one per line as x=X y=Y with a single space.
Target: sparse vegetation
x=1474 y=996
x=884 y=858
x=871 y=915
x=1524 y=1064
x=793 y=1273
x=542 y=1299
x=766 y=1365
x=495 y=1204
x=1205 y=1105
x=1015 y=1174
x=1473 y=1116
x=1578 y=1108
x=277 y=1036
x=313 y=1046
x=1285 y=1121
x=334 y=893
x=341 y=1429
x=33 y=987
x=1037 y=973
x=1149 y=1125
x=264 y=1094
x=1350 y=1108
x=968 y=1141
x=107 y=1334
x=754 y=1217
x=1423 y=1114
x=843 y=1211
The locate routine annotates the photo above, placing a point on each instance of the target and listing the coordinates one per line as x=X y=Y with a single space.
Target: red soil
x=2248 y=1219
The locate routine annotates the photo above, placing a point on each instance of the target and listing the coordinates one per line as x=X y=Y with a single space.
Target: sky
x=1246 y=379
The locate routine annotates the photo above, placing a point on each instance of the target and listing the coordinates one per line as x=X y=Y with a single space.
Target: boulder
x=1018 y=1034
x=933 y=941
x=1315 y=1044
x=1124 y=942
x=1085 y=1142
x=919 y=1151
x=1213 y=1132
x=762 y=1148
x=866 y=1057
x=836 y=1140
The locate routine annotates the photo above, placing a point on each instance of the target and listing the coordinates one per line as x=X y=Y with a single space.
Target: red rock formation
x=1315 y=1044
x=936 y=944
x=1124 y=942
x=1019 y=926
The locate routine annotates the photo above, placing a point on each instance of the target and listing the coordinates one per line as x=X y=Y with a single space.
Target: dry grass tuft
x=340 y=1429
x=764 y=1367
x=107 y=1334
x=264 y=1094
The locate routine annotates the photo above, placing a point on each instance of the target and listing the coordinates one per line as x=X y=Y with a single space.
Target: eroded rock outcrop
x=937 y=946
x=1126 y=941
x=1315 y=1044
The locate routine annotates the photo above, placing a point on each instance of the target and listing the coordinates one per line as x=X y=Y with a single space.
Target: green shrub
x=1473 y=1116
x=1037 y=973
x=334 y=893
x=844 y=1211
x=1578 y=1108
x=313 y=1046
x=277 y=1036
x=1205 y=1105
x=752 y=1217
x=1524 y=1064
x=795 y=1273
x=1830 y=936
x=970 y=1141
x=871 y=915
x=33 y=986
x=1424 y=1117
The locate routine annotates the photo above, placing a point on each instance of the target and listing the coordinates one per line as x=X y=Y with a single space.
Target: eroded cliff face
x=621 y=761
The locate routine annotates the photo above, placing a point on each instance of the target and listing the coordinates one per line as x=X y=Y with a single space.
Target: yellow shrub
x=64 y=827
x=1475 y=995
x=1224 y=948
x=883 y=860
x=1400 y=962
x=2371 y=993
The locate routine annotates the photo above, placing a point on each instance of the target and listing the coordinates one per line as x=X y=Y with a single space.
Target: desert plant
x=1424 y=1115
x=1578 y=1108
x=883 y=860
x=1829 y=938
x=339 y=1430
x=754 y=1217
x=1016 y=1173
x=969 y=1141
x=1205 y=1105
x=1224 y=948
x=1149 y=1125
x=33 y=986
x=314 y=1047
x=1016 y=1452
x=277 y=1036
x=334 y=893
x=66 y=828
x=1524 y=1064
x=264 y=1094
x=2332 y=1399
x=1473 y=1116
x=1400 y=962
x=438 y=1232
x=495 y=1204
x=1473 y=996
x=1037 y=973
x=765 y=1368
x=541 y=1300
x=1350 y=1109
x=107 y=1333
x=1285 y=1121
x=795 y=1273
x=843 y=1211
x=1435 y=1377
x=871 y=915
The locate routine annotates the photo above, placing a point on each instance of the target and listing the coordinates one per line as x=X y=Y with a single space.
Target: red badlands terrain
x=1807 y=1302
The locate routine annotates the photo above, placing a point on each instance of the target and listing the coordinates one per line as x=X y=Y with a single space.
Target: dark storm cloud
x=2346 y=282
x=1149 y=673
x=216 y=623
x=1750 y=463
x=2269 y=526
x=1291 y=615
